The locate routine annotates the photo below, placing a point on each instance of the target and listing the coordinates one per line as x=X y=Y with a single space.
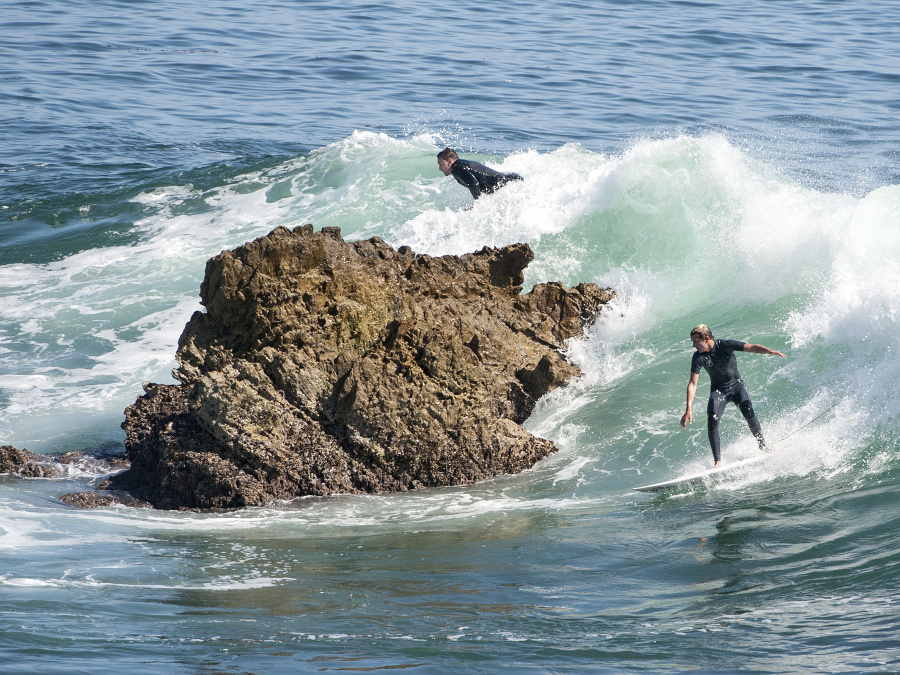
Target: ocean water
x=734 y=164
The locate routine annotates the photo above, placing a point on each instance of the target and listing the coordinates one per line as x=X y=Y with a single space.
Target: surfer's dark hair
x=702 y=330
x=448 y=153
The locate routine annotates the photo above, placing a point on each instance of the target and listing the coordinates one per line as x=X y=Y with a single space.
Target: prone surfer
x=477 y=177
x=725 y=383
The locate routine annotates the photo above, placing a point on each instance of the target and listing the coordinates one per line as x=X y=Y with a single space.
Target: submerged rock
x=93 y=500
x=322 y=367
x=30 y=465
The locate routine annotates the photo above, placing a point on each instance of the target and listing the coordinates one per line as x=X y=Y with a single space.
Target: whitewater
x=734 y=168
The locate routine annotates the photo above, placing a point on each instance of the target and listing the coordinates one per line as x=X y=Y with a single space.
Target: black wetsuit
x=725 y=385
x=479 y=178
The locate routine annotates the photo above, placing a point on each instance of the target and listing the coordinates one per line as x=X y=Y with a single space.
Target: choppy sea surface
x=729 y=163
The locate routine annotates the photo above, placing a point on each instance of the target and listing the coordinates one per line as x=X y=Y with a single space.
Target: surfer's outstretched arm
x=688 y=417
x=760 y=349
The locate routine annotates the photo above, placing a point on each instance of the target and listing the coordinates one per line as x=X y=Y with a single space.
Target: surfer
x=479 y=178
x=725 y=383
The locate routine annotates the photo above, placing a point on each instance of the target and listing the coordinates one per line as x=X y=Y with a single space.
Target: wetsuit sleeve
x=695 y=363
x=733 y=345
x=464 y=176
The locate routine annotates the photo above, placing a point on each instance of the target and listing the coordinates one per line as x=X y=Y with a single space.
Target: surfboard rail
x=692 y=480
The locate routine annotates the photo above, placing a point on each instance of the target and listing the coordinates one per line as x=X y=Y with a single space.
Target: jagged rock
x=30 y=465
x=322 y=366
x=13 y=460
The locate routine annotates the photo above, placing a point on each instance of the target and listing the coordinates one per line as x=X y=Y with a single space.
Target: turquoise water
x=729 y=164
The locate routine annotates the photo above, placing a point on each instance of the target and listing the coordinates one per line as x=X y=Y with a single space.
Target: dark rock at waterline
x=92 y=500
x=30 y=465
x=323 y=367
x=13 y=460
x=27 y=464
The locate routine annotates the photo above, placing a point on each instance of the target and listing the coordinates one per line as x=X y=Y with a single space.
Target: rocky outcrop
x=322 y=366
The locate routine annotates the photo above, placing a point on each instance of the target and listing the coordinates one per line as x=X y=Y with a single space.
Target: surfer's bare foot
x=719 y=463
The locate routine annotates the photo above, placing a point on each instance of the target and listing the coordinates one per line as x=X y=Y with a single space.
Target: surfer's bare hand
x=686 y=419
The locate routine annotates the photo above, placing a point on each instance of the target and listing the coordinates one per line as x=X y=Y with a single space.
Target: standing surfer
x=725 y=384
x=479 y=178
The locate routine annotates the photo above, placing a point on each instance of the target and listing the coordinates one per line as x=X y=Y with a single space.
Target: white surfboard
x=692 y=480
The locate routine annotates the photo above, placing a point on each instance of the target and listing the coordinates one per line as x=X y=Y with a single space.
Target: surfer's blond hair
x=702 y=330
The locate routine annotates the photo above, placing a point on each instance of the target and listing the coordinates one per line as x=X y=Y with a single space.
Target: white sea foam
x=572 y=470
x=220 y=585
x=557 y=189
